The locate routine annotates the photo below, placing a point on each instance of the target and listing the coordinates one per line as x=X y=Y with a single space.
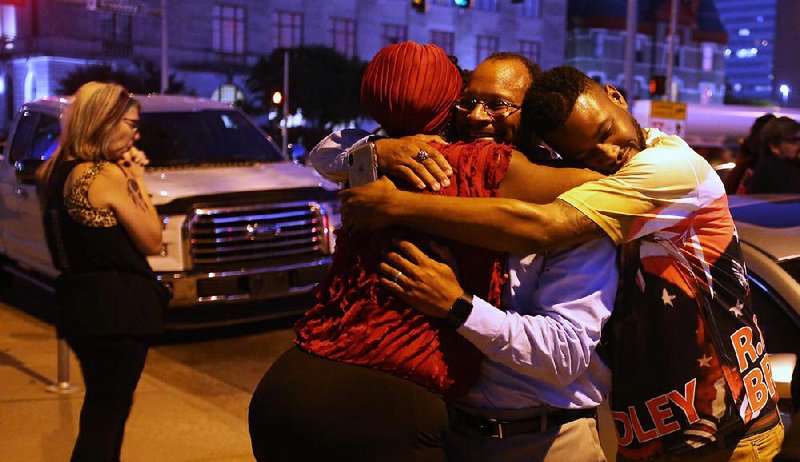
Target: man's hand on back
x=429 y=286
x=401 y=158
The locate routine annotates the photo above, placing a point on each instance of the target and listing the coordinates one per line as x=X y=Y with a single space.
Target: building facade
x=212 y=44
x=761 y=54
x=596 y=44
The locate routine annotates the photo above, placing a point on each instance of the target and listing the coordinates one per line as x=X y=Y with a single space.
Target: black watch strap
x=460 y=311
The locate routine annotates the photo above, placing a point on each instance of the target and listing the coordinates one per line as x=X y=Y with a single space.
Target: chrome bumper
x=251 y=284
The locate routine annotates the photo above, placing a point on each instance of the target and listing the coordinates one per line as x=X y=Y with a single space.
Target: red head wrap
x=409 y=88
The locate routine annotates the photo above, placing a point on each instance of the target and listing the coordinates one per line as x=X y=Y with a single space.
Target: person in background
x=691 y=378
x=778 y=170
x=737 y=180
x=100 y=224
x=719 y=157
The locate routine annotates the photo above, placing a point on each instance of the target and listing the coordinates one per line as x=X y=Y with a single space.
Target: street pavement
x=182 y=412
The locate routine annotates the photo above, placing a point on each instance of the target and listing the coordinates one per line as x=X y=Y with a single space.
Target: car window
x=779 y=322
x=36 y=136
x=211 y=136
x=45 y=137
x=22 y=141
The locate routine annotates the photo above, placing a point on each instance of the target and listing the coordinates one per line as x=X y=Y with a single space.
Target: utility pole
x=164 y=49
x=630 y=51
x=285 y=128
x=673 y=22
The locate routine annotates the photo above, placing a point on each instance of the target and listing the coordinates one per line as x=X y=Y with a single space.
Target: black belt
x=496 y=428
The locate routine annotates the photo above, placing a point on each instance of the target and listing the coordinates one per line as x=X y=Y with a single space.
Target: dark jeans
x=111 y=367
x=308 y=408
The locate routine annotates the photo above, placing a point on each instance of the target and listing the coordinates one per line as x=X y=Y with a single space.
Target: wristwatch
x=460 y=311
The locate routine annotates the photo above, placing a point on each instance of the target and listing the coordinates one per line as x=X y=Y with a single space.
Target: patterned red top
x=358 y=322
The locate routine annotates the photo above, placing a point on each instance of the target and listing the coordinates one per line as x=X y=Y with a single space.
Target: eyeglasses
x=496 y=109
x=133 y=123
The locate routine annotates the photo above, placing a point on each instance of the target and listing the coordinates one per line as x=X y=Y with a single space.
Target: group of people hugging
x=484 y=298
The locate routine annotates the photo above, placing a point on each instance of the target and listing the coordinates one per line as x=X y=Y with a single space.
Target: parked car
x=769 y=229
x=241 y=223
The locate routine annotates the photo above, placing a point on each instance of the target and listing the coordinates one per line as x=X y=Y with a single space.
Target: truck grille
x=251 y=234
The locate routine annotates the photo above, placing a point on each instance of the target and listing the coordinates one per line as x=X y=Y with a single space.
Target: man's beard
x=640 y=139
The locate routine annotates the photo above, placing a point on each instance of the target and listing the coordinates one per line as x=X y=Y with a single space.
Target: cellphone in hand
x=361 y=165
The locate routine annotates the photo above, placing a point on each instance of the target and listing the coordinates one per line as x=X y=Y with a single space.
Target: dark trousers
x=308 y=408
x=111 y=367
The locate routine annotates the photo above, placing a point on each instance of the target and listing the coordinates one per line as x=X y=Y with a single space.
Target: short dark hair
x=552 y=97
x=534 y=71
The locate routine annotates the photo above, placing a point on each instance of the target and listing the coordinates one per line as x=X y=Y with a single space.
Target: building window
x=486 y=45
x=288 y=29
x=599 y=43
x=118 y=35
x=394 y=33
x=530 y=50
x=228 y=93
x=8 y=23
x=640 y=50
x=532 y=8
x=444 y=39
x=342 y=32
x=227 y=29
x=487 y=5
x=708 y=57
x=676 y=58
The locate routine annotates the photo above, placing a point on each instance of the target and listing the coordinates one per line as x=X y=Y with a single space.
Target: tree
x=143 y=79
x=322 y=82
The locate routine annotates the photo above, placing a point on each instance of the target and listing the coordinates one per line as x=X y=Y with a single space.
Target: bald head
x=501 y=77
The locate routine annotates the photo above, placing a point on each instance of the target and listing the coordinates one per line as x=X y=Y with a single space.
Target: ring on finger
x=396 y=277
x=422 y=156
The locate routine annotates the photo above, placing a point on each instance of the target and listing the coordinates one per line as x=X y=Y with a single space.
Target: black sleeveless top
x=106 y=285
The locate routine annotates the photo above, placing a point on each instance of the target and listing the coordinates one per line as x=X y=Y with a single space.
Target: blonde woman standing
x=100 y=225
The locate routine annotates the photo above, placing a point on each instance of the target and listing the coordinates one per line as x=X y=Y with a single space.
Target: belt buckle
x=494 y=427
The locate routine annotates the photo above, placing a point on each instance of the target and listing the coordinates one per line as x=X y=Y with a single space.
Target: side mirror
x=25 y=170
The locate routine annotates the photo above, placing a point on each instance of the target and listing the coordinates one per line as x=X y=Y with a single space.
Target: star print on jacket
x=737 y=309
x=667 y=298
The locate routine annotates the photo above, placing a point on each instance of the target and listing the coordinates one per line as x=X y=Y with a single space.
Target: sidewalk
x=167 y=423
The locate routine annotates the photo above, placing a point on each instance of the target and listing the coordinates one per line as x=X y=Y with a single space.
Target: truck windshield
x=212 y=136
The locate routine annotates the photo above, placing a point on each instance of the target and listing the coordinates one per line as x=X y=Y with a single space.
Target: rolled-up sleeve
x=552 y=333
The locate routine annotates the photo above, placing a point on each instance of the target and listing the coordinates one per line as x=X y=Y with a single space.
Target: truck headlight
x=331 y=220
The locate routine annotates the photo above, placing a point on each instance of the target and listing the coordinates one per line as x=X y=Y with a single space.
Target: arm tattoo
x=135 y=192
x=578 y=223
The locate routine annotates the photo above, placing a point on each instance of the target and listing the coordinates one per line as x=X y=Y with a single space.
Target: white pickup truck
x=240 y=222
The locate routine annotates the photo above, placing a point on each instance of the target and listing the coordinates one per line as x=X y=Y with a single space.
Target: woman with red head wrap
x=307 y=406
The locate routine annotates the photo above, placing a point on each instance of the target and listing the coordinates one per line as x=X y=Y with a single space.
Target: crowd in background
x=768 y=159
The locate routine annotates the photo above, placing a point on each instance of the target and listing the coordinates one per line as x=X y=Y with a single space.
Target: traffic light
x=658 y=85
x=463 y=3
x=418 y=5
x=277 y=98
